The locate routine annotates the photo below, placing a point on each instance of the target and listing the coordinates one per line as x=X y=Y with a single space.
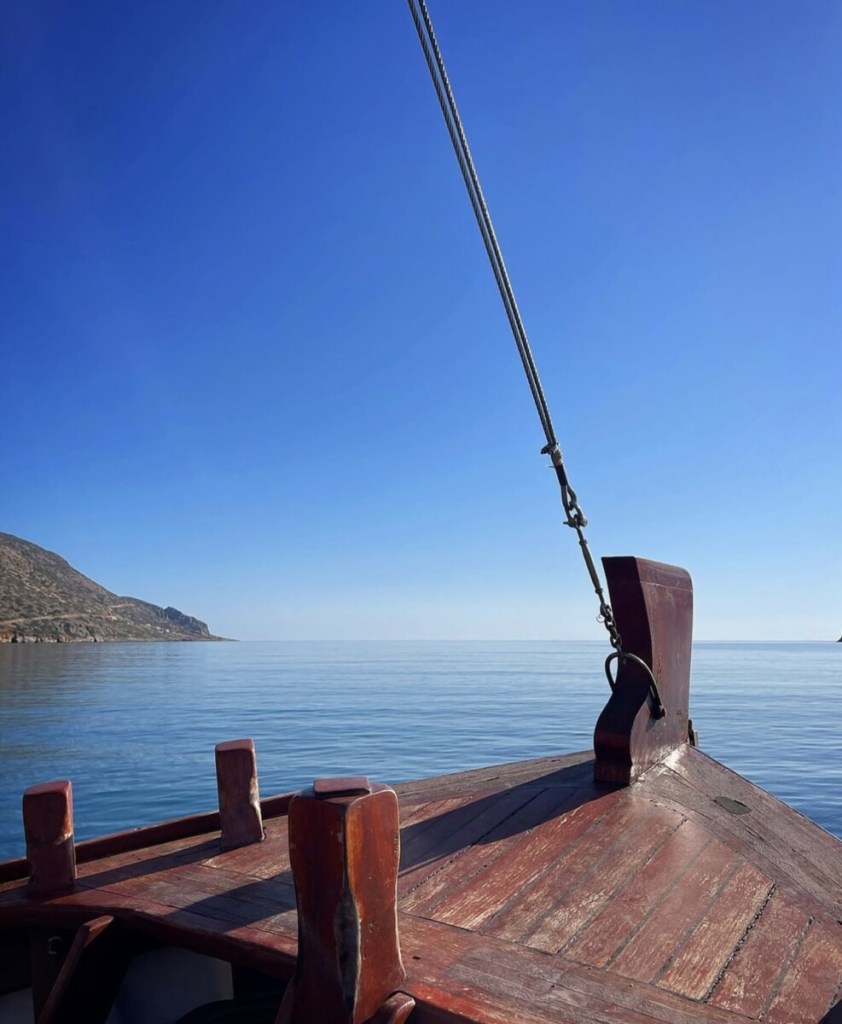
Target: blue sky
x=255 y=365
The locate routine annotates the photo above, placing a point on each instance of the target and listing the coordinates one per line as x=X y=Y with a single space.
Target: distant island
x=43 y=599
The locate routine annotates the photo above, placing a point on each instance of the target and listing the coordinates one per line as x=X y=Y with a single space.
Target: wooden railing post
x=653 y=607
x=239 y=796
x=344 y=850
x=50 y=848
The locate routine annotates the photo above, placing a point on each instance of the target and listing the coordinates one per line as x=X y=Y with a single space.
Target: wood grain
x=651 y=905
x=763 y=960
x=611 y=927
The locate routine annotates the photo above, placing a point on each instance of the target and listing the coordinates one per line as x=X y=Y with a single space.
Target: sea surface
x=133 y=726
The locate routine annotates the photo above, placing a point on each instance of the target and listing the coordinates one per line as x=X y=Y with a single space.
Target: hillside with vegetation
x=43 y=599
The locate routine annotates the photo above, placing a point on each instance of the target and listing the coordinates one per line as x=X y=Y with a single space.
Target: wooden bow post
x=344 y=841
x=653 y=609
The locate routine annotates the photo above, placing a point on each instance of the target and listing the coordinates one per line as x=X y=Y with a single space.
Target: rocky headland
x=43 y=599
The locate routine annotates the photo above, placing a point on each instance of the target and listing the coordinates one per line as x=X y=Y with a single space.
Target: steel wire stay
x=575 y=517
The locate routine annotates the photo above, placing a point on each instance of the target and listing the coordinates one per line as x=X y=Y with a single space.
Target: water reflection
x=134 y=725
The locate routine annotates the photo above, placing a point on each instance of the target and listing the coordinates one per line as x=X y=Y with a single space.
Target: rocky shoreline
x=44 y=600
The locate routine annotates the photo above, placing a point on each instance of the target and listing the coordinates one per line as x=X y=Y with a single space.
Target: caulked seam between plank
x=785 y=969
x=458 y=853
x=632 y=872
x=740 y=942
x=535 y=882
x=664 y=895
x=697 y=920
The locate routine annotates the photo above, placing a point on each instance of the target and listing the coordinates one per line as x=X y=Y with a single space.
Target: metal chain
x=577 y=520
x=575 y=516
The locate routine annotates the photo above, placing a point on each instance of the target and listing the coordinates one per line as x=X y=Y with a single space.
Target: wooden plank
x=528 y=898
x=593 y=889
x=144 y=862
x=521 y=860
x=90 y=976
x=611 y=927
x=208 y=892
x=261 y=860
x=184 y=892
x=811 y=986
x=665 y=928
x=487 y=974
x=439 y=840
x=160 y=833
x=415 y=834
x=413 y=812
x=434 y=1006
x=447 y=829
x=782 y=842
x=809 y=840
x=272 y=952
x=561 y=767
x=585 y=843
x=454 y=887
x=750 y=980
x=48 y=949
x=146 y=836
x=452 y=960
x=696 y=966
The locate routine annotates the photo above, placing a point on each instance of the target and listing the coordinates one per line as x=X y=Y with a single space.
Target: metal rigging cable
x=575 y=516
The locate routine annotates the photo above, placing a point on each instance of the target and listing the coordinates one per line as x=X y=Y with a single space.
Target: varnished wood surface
x=527 y=894
x=653 y=608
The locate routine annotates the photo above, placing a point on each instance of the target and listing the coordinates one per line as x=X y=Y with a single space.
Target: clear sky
x=253 y=360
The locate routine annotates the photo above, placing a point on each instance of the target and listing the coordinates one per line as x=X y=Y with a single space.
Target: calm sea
x=134 y=725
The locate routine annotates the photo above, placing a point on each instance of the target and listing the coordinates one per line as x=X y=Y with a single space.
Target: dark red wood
x=653 y=607
x=808 y=990
x=395 y=1010
x=48 y=826
x=473 y=886
x=752 y=979
x=613 y=925
x=342 y=785
x=771 y=834
x=694 y=969
x=344 y=851
x=653 y=944
x=90 y=976
x=446 y=838
x=239 y=797
x=48 y=949
x=609 y=865
x=731 y=917
x=165 y=832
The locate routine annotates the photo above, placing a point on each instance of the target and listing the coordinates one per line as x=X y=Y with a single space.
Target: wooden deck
x=529 y=894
